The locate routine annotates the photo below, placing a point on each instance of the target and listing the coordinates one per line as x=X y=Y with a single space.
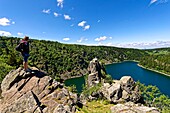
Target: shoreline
x=73 y=77
x=166 y=74
x=154 y=70
x=122 y=62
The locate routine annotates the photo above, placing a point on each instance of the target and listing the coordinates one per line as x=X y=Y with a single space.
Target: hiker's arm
x=22 y=46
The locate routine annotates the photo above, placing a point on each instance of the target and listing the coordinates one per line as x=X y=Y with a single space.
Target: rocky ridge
x=35 y=93
x=39 y=93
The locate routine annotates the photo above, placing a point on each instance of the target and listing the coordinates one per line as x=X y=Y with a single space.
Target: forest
x=70 y=60
x=61 y=60
x=158 y=59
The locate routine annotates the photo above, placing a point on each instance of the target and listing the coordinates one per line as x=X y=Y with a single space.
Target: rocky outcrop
x=119 y=91
x=95 y=74
x=124 y=93
x=35 y=93
x=38 y=93
x=122 y=90
x=130 y=107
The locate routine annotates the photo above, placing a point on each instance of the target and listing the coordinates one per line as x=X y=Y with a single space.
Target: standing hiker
x=23 y=47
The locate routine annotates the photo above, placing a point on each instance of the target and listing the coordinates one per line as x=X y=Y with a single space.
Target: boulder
x=123 y=90
x=130 y=107
x=112 y=92
x=127 y=83
x=130 y=90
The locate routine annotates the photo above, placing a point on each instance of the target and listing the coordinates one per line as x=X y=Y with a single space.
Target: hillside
x=158 y=59
x=61 y=60
x=69 y=60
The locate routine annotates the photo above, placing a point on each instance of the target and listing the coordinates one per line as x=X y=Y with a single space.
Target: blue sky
x=121 y=23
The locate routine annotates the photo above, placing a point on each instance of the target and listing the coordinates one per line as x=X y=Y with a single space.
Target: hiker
x=23 y=47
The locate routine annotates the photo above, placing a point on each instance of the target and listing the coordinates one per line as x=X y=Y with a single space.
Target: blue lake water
x=78 y=82
x=130 y=68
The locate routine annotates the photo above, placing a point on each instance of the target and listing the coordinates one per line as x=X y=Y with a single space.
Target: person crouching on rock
x=25 y=52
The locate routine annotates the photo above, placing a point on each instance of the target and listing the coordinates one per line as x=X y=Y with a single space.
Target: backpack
x=18 y=47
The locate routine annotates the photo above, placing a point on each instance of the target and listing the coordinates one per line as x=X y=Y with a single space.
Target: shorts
x=25 y=57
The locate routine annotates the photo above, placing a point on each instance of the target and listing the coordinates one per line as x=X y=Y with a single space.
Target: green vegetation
x=66 y=60
x=72 y=88
x=62 y=60
x=151 y=94
x=98 y=106
x=158 y=59
x=88 y=91
x=108 y=79
x=153 y=97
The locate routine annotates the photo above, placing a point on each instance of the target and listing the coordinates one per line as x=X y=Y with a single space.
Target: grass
x=99 y=106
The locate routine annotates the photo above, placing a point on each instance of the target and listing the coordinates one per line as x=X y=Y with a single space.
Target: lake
x=130 y=68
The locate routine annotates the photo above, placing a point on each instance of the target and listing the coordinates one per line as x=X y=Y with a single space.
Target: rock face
x=130 y=107
x=122 y=90
x=95 y=73
x=35 y=93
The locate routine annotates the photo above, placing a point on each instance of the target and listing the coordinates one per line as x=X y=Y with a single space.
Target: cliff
x=35 y=93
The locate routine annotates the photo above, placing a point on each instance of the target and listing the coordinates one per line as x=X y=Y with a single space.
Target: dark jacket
x=25 y=47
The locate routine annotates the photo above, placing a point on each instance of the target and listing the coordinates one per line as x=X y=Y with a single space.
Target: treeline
x=61 y=60
x=67 y=60
x=153 y=97
x=159 y=59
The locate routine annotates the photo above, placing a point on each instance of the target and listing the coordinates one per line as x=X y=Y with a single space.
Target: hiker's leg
x=25 y=64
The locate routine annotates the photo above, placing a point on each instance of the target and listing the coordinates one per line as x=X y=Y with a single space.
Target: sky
x=138 y=24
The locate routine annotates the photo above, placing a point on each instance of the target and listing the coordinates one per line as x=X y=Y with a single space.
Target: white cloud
x=47 y=11
x=81 y=24
x=86 y=27
x=67 y=17
x=158 y=1
x=153 y=1
x=60 y=3
x=109 y=44
x=101 y=38
x=98 y=21
x=145 y=45
x=56 y=14
x=4 y=21
x=5 y=33
x=82 y=39
x=20 y=34
x=66 y=39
